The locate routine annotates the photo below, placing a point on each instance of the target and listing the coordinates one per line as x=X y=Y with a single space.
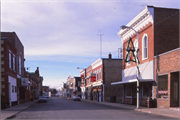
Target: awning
x=132 y=81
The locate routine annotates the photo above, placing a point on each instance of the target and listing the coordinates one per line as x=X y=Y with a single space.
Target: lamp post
x=137 y=56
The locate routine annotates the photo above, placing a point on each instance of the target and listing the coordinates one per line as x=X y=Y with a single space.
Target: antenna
x=100 y=42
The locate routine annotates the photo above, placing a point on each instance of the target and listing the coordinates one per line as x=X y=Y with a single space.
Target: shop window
x=12 y=88
x=146 y=90
x=128 y=90
x=163 y=86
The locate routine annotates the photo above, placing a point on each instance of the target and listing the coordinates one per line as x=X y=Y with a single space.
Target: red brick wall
x=166 y=64
x=88 y=72
x=149 y=30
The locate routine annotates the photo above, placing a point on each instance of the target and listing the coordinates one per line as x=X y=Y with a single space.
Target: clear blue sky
x=61 y=35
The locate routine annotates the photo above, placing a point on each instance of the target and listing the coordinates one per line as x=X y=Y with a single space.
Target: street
x=62 y=108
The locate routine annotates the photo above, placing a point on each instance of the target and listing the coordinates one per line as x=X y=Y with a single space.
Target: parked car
x=42 y=99
x=76 y=98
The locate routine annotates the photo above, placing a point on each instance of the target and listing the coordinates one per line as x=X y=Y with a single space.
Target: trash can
x=149 y=103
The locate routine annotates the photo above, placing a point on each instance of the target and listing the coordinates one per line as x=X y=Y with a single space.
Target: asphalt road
x=62 y=108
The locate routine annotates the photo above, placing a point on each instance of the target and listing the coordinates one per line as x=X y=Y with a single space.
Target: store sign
x=93 y=78
x=24 y=81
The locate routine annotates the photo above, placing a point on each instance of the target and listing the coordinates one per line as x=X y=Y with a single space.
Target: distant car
x=76 y=98
x=42 y=99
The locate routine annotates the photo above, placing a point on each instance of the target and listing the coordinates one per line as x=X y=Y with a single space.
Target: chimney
x=110 y=55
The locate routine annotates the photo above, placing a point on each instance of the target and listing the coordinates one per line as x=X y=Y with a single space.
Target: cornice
x=96 y=63
x=145 y=17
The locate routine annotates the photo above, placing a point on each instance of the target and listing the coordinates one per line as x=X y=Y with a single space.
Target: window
x=12 y=88
x=136 y=48
x=176 y=91
x=128 y=90
x=14 y=62
x=146 y=90
x=100 y=76
x=10 y=60
x=163 y=86
x=97 y=74
x=128 y=63
x=20 y=64
x=145 y=47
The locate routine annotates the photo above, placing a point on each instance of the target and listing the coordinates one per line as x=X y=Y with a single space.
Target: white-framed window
x=145 y=47
x=136 y=48
x=128 y=63
x=97 y=74
x=14 y=62
x=10 y=65
x=100 y=75
x=19 y=64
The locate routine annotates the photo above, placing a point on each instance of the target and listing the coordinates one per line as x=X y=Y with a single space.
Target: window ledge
x=145 y=58
x=128 y=96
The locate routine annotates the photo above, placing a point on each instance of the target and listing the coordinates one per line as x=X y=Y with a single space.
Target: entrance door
x=174 y=98
x=9 y=93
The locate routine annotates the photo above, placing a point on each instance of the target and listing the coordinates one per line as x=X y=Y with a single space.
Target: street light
x=137 y=56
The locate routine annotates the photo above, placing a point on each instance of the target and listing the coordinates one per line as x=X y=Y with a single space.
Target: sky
x=60 y=35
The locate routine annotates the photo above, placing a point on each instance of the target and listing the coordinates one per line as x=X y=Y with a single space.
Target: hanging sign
x=24 y=81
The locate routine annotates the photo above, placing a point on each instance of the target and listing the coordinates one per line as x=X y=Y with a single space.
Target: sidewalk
x=172 y=112
x=10 y=112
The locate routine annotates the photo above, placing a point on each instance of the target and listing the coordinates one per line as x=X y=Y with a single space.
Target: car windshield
x=42 y=97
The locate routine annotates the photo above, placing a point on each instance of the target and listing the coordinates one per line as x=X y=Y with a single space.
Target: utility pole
x=100 y=43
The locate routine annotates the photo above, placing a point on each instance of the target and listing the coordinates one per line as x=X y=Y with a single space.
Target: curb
x=156 y=113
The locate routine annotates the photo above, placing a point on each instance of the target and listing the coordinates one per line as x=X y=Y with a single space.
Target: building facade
x=73 y=86
x=98 y=78
x=8 y=71
x=158 y=30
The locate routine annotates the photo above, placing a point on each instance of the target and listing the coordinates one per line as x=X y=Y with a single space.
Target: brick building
x=73 y=86
x=19 y=61
x=158 y=33
x=166 y=90
x=8 y=71
x=99 y=76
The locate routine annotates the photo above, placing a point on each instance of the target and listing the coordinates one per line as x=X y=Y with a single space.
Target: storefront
x=98 y=93
x=167 y=79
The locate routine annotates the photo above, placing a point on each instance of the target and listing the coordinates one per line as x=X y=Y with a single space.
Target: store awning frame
x=132 y=81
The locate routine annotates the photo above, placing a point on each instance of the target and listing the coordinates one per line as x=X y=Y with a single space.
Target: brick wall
x=166 y=30
x=112 y=71
x=149 y=30
x=167 y=63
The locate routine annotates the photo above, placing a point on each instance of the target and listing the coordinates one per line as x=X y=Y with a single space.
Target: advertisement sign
x=93 y=78
x=24 y=81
